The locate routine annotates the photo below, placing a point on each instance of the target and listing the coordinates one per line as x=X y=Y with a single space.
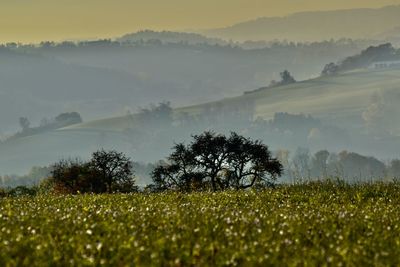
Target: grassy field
x=329 y=224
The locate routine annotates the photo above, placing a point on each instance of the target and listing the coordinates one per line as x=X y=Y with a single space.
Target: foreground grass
x=306 y=225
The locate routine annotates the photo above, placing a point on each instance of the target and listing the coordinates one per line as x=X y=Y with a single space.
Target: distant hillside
x=356 y=104
x=170 y=37
x=36 y=86
x=366 y=59
x=103 y=78
x=312 y=26
x=346 y=106
x=341 y=99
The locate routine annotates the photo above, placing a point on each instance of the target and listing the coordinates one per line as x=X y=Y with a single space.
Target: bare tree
x=250 y=162
x=114 y=168
x=219 y=163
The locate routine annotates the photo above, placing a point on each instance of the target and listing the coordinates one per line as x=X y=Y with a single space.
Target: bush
x=106 y=172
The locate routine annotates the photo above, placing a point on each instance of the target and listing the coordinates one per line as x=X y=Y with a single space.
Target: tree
x=219 y=163
x=359 y=167
x=157 y=113
x=330 y=69
x=180 y=174
x=210 y=154
x=65 y=119
x=383 y=52
x=72 y=176
x=286 y=78
x=319 y=163
x=106 y=172
x=24 y=123
x=249 y=162
x=301 y=163
x=114 y=170
x=166 y=177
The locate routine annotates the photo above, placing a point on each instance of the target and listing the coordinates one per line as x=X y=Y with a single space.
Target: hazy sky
x=35 y=20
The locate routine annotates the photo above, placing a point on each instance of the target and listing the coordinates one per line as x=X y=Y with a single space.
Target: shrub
x=106 y=172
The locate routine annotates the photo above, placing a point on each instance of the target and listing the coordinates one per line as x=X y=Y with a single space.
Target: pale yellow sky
x=36 y=20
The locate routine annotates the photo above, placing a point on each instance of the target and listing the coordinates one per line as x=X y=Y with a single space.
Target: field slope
x=341 y=98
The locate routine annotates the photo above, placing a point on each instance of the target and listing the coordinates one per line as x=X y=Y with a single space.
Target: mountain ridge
x=314 y=25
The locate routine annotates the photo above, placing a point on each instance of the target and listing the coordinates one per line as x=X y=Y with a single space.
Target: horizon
x=111 y=20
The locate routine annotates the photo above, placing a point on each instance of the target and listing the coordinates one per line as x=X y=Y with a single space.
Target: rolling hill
x=340 y=99
x=104 y=78
x=38 y=86
x=347 y=101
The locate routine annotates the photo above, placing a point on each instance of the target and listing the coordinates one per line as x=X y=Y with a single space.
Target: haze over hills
x=106 y=78
x=207 y=76
x=343 y=108
x=37 y=86
x=317 y=25
x=341 y=99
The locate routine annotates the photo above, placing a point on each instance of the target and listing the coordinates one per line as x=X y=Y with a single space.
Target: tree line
x=60 y=121
x=186 y=40
x=211 y=162
x=349 y=166
x=383 y=52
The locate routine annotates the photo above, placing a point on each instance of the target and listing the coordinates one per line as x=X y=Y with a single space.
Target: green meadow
x=314 y=224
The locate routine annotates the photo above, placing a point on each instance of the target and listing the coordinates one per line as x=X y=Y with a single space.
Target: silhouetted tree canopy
x=69 y=118
x=62 y=120
x=217 y=162
x=106 y=172
x=161 y=113
x=74 y=175
x=114 y=169
x=383 y=52
x=330 y=69
x=286 y=78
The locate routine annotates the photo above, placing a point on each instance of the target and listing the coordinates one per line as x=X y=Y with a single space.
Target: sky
x=37 y=20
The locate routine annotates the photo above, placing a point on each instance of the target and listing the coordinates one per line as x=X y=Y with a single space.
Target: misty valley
x=274 y=141
x=348 y=107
